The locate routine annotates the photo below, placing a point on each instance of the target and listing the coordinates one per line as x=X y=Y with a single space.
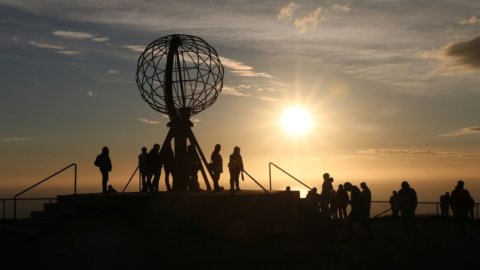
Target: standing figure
x=192 y=166
x=154 y=168
x=407 y=198
x=445 y=204
x=143 y=168
x=394 y=204
x=342 y=202
x=357 y=212
x=216 y=166
x=167 y=158
x=104 y=164
x=235 y=166
x=461 y=202
x=326 y=193
x=333 y=205
x=367 y=198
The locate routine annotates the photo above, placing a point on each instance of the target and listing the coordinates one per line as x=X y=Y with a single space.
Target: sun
x=296 y=121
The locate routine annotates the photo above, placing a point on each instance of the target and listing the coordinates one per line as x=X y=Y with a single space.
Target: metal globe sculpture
x=197 y=73
x=181 y=75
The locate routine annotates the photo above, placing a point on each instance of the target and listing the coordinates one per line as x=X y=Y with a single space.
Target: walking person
x=216 y=166
x=461 y=202
x=104 y=164
x=235 y=166
x=167 y=158
x=143 y=168
x=407 y=198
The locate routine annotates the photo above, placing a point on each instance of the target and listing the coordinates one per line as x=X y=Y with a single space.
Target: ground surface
x=322 y=246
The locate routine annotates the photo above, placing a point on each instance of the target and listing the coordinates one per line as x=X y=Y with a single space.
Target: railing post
x=75 y=181
x=270 y=174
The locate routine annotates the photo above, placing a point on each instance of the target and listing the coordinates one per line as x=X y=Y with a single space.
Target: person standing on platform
x=461 y=201
x=193 y=167
x=143 y=168
x=357 y=212
x=445 y=204
x=235 y=166
x=407 y=198
x=342 y=201
x=394 y=204
x=154 y=168
x=104 y=164
x=367 y=198
x=167 y=158
x=216 y=166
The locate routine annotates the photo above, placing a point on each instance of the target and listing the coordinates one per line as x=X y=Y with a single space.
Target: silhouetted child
x=461 y=202
x=407 y=198
x=104 y=165
x=235 y=166
x=394 y=204
x=445 y=204
x=143 y=168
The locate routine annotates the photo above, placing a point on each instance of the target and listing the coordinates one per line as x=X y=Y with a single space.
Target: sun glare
x=296 y=121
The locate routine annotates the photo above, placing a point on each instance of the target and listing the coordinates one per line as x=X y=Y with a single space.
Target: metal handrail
x=129 y=180
x=40 y=182
x=251 y=177
x=294 y=178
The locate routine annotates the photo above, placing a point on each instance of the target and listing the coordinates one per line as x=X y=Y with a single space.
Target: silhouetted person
x=143 y=168
x=104 y=165
x=154 y=168
x=357 y=212
x=407 y=198
x=192 y=166
x=235 y=166
x=461 y=202
x=287 y=188
x=445 y=204
x=216 y=166
x=326 y=193
x=110 y=189
x=394 y=204
x=313 y=199
x=333 y=205
x=341 y=202
x=167 y=158
x=367 y=198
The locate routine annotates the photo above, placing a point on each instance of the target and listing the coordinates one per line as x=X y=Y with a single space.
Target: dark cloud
x=467 y=52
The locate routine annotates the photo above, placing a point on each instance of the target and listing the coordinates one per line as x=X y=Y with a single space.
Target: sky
x=393 y=89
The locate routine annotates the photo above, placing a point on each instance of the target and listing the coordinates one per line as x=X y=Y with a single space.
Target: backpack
x=97 y=161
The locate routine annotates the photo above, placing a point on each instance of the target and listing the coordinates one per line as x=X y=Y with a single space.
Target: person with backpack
x=104 y=164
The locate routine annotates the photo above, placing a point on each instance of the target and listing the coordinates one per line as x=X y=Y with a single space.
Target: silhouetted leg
x=148 y=185
x=232 y=181
x=216 y=178
x=104 y=181
x=144 y=182
x=236 y=180
x=167 y=179
x=156 y=179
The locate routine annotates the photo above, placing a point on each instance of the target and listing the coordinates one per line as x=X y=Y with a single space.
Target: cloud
x=241 y=69
x=73 y=35
x=471 y=20
x=90 y=93
x=100 y=39
x=113 y=71
x=70 y=52
x=464 y=131
x=14 y=139
x=228 y=90
x=341 y=8
x=286 y=12
x=147 y=121
x=463 y=56
x=412 y=152
x=135 y=48
x=310 y=21
x=44 y=45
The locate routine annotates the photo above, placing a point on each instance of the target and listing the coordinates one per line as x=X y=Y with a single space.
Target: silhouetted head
x=460 y=184
x=394 y=192
x=330 y=179
x=156 y=147
x=105 y=150
x=348 y=186
x=326 y=176
x=144 y=149
x=218 y=147
x=314 y=190
x=236 y=150
x=363 y=185
x=405 y=184
x=340 y=186
x=288 y=188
